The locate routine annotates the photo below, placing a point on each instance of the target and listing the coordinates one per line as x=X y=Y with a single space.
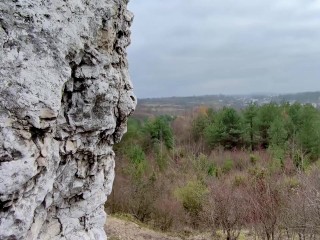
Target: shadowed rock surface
x=65 y=95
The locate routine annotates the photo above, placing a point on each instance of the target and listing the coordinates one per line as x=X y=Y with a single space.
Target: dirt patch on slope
x=118 y=229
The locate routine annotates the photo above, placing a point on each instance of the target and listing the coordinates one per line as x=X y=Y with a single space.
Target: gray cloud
x=195 y=47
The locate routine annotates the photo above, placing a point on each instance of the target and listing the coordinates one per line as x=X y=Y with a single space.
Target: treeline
x=285 y=129
x=250 y=174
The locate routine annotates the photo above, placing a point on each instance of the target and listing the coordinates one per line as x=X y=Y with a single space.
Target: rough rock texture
x=65 y=95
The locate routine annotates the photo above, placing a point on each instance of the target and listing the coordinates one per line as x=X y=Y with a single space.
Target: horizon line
x=233 y=95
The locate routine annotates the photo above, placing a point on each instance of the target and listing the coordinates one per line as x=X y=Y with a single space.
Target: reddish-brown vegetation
x=174 y=180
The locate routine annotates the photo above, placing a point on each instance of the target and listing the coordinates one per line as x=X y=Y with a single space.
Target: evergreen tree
x=266 y=115
x=160 y=131
x=226 y=130
x=250 y=125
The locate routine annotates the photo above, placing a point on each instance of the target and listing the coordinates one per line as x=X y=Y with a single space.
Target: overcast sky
x=197 y=47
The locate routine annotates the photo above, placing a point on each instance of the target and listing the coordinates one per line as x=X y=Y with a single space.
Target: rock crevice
x=65 y=96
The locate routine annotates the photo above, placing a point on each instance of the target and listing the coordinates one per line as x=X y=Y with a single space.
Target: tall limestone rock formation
x=65 y=95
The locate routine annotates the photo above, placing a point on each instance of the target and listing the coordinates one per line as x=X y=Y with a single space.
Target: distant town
x=180 y=105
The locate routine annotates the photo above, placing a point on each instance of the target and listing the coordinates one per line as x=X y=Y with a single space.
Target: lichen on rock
x=65 y=95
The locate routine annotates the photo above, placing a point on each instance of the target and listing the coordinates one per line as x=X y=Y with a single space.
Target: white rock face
x=65 y=95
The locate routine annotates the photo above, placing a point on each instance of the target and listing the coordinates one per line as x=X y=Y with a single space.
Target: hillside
x=224 y=170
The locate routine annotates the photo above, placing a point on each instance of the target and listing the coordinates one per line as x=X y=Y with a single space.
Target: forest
x=254 y=171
